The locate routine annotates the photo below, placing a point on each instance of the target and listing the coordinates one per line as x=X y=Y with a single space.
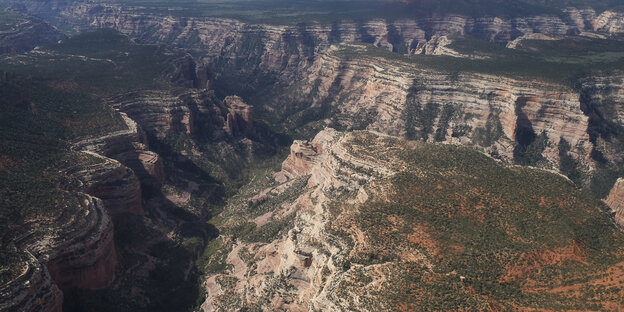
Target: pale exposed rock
x=615 y=201
x=373 y=93
x=194 y=112
x=218 y=37
x=304 y=258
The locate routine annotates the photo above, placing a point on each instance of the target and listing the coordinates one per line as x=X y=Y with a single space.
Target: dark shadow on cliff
x=529 y=145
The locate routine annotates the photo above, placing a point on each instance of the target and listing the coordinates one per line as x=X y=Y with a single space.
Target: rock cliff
x=66 y=252
x=274 y=48
x=198 y=113
x=129 y=147
x=34 y=290
x=615 y=201
x=493 y=113
x=357 y=234
x=298 y=270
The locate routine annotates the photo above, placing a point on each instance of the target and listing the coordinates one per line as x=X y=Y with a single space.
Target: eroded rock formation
x=129 y=147
x=194 y=112
x=295 y=259
x=74 y=251
x=402 y=99
x=615 y=201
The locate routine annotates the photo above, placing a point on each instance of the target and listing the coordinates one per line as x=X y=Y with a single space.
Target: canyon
x=182 y=187
x=348 y=240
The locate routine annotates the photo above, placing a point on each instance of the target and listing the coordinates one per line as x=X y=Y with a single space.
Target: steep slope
x=277 y=48
x=69 y=135
x=387 y=224
x=506 y=117
x=20 y=33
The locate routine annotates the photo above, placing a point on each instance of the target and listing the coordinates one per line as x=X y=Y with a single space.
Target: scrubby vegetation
x=294 y=12
x=534 y=59
x=54 y=97
x=494 y=235
x=36 y=122
x=103 y=62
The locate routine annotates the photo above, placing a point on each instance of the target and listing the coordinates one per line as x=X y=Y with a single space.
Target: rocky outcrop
x=615 y=201
x=128 y=146
x=194 y=112
x=402 y=99
x=88 y=258
x=77 y=250
x=186 y=72
x=32 y=291
x=26 y=33
x=239 y=118
x=366 y=232
x=115 y=184
x=277 y=47
x=298 y=270
x=602 y=100
x=71 y=251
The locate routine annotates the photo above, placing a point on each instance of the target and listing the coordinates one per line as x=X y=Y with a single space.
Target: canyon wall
x=196 y=112
x=493 y=113
x=300 y=269
x=346 y=240
x=78 y=250
x=615 y=201
x=229 y=42
x=74 y=251
x=32 y=291
x=129 y=147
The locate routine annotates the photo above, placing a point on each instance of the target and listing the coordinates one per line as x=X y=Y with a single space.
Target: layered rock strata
x=34 y=290
x=76 y=251
x=129 y=147
x=615 y=201
x=277 y=47
x=298 y=270
x=194 y=112
x=404 y=99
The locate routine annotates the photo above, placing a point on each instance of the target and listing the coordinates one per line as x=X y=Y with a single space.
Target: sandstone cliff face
x=78 y=250
x=602 y=100
x=115 y=184
x=88 y=259
x=275 y=48
x=347 y=242
x=615 y=201
x=34 y=290
x=299 y=270
x=194 y=112
x=71 y=251
x=402 y=99
x=239 y=118
x=129 y=147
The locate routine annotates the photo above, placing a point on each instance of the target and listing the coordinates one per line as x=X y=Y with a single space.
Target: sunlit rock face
x=615 y=201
